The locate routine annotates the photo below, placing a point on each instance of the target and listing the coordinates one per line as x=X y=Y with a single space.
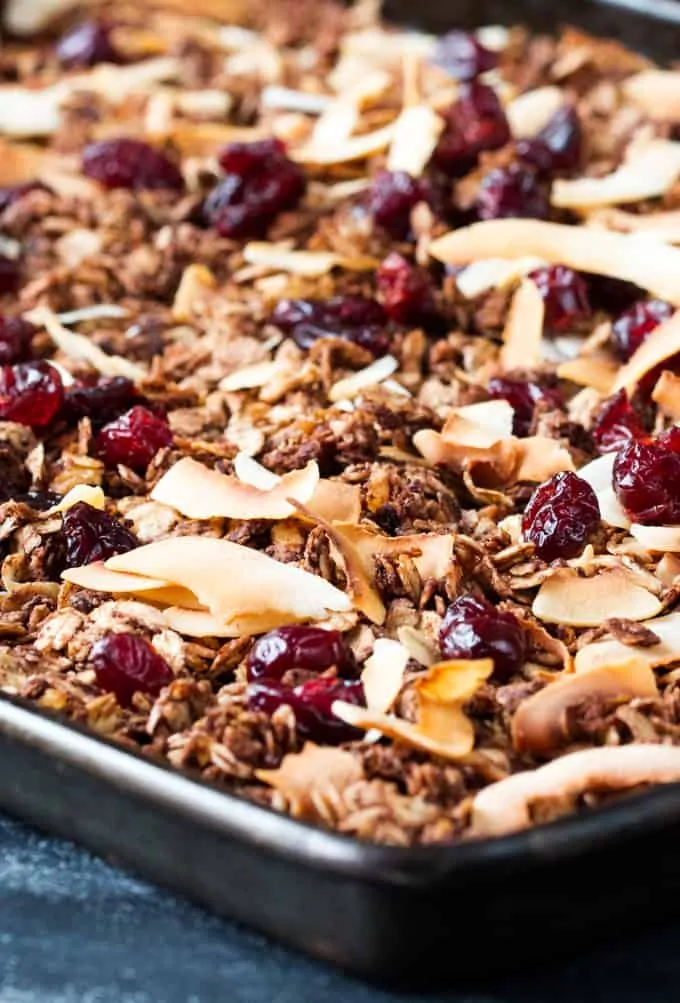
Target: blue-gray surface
x=74 y=930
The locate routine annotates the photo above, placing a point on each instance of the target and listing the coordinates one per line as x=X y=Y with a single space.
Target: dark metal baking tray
x=389 y=913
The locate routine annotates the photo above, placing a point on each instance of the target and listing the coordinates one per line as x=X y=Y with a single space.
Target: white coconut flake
x=77 y=346
x=494 y=273
x=528 y=113
x=287 y=99
x=648 y=173
x=98 y=311
x=352 y=385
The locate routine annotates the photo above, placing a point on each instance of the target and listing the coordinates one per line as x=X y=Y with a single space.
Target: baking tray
x=397 y=915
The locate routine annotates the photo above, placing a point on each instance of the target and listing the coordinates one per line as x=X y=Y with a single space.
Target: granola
x=339 y=373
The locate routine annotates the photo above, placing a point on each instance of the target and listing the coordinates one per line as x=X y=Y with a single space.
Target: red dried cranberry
x=646 y=481
x=16 y=335
x=636 y=324
x=312 y=648
x=8 y=196
x=523 y=396
x=463 y=56
x=616 y=423
x=474 y=628
x=390 y=199
x=87 y=44
x=311 y=703
x=352 y=318
x=475 y=122
x=407 y=291
x=670 y=439
x=130 y=163
x=558 y=146
x=133 y=439
x=10 y=274
x=101 y=401
x=125 y=664
x=562 y=515
x=260 y=182
x=511 y=192
x=92 y=535
x=31 y=393
x=565 y=296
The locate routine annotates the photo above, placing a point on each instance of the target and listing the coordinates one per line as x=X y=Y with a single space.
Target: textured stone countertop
x=74 y=930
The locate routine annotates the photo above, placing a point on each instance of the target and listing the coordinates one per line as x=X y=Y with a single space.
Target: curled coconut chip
x=540 y=723
x=649 y=264
x=383 y=674
x=656 y=93
x=505 y=806
x=598 y=473
x=662 y=344
x=77 y=346
x=310 y=264
x=605 y=653
x=346 y=150
x=523 y=329
x=494 y=273
x=649 y=172
x=442 y=727
x=316 y=772
x=79 y=493
x=654 y=225
x=570 y=600
x=528 y=113
x=597 y=371
x=416 y=133
x=657 y=539
x=666 y=394
x=351 y=386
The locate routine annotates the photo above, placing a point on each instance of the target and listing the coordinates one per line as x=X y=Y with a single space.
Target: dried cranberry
x=511 y=192
x=562 y=515
x=352 y=318
x=646 y=481
x=260 y=182
x=87 y=44
x=616 y=423
x=31 y=393
x=10 y=274
x=130 y=163
x=474 y=628
x=558 y=146
x=16 y=335
x=8 y=196
x=92 y=535
x=390 y=199
x=523 y=396
x=299 y=648
x=565 y=296
x=670 y=439
x=407 y=291
x=463 y=56
x=473 y=123
x=311 y=703
x=101 y=401
x=125 y=664
x=133 y=439
x=636 y=324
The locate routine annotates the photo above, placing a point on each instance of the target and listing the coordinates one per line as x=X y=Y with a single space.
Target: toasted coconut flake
x=383 y=674
x=79 y=493
x=528 y=113
x=494 y=273
x=250 y=471
x=539 y=458
x=314 y=772
x=351 y=386
x=254 y=584
x=523 y=329
x=505 y=806
x=201 y=493
x=662 y=344
x=416 y=134
x=656 y=93
x=98 y=311
x=417 y=645
x=650 y=265
x=344 y=151
x=657 y=539
x=78 y=245
x=479 y=425
x=286 y=99
x=611 y=652
x=596 y=371
x=336 y=501
x=668 y=570
x=650 y=172
x=655 y=225
x=99 y=578
x=442 y=728
x=498 y=460
x=307 y=263
x=568 y=599
x=195 y=286
x=540 y=724
x=20 y=162
x=77 y=346
x=667 y=394
x=29 y=17
x=251 y=377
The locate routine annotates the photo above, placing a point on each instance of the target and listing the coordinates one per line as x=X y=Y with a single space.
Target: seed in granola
x=92 y=535
x=13 y=193
x=474 y=628
x=125 y=664
x=259 y=183
x=646 y=481
x=133 y=439
x=31 y=393
x=524 y=395
x=616 y=423
x=130 y=163
x=558 y=146
x=565 y=296
x=463 y=56
x=636 y=324
x=352 y=318
x=295 y=647
x=511 y=191
x=391 y=198
x=311 y=703
x=87 y=44
x=475 y=122
x=102 y=401
x=16 y=335
x=10 y=274
x=562 y=515
x=407 y=291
